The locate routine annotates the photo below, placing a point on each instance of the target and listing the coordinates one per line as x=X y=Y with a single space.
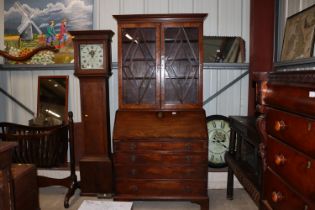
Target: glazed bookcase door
x=139 y=60
x=181 y=78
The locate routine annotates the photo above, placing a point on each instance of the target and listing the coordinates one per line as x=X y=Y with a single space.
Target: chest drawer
x=279 y=196
x=295 y=98
x=294 y=167
x=160 y=171
x=164 y=158
x=294 y=130
x=165 y=188
x=175 y=146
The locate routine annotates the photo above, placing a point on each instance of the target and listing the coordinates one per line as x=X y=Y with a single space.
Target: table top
x=4 y=146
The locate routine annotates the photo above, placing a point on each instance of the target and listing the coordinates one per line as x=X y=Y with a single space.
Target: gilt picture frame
x=298 y=41
x=29 y=24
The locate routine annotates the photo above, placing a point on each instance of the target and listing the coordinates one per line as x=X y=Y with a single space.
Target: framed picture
x=223 y=49
x=298 y=39
x=29 y=24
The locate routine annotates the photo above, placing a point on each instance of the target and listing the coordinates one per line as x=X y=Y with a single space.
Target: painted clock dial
x=91 y=56
x=219 y=137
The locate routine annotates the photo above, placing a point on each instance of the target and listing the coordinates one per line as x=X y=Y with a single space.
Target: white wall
x=225 y=18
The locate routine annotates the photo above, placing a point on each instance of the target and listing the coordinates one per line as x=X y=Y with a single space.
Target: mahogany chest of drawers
x=161 y=155
x=289 y=141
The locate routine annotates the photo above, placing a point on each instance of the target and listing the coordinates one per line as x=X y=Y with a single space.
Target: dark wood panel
x=96 y=175
x=160 y=157
x=94 y=102
x=288 y=140
x=173 y=145
x=162 y=188
x=292 y=129
x=6 y=192
x=279 y=195
x=160 y=124
x=160 y=171
x=261 y=43
x=297 y=99
x=26 y=195
x=294 y=167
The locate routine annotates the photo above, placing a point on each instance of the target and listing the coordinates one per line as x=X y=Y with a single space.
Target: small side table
x=243 y=158
x=6 y=187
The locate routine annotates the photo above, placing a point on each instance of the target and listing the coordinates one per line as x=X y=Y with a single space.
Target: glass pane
x=139 y=65
x=181 y=65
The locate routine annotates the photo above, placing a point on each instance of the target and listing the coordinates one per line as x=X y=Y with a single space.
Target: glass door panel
x=139 y=77
x=181 y=66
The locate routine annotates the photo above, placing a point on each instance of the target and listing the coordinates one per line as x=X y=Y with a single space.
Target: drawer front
x=280 y=197
x=292 y=98
x=297 y=131
x=161 y=171
x=161 y=188
x=292 y=166
x=175 y=146
x=160 y=158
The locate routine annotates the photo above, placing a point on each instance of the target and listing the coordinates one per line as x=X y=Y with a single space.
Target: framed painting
x=29 y=24
x=298 y=42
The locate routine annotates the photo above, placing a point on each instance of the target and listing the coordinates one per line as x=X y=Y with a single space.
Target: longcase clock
x=92 y=54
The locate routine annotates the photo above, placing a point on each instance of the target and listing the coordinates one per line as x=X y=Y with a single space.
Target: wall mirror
x=52 y=100
x=223 y=49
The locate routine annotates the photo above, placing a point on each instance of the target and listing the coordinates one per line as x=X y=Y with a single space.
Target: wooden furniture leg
x=230 y=184
x=204 y=203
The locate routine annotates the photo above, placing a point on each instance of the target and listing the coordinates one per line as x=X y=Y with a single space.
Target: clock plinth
x=92 y=55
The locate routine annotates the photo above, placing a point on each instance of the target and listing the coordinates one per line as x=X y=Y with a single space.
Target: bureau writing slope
x=160 y=134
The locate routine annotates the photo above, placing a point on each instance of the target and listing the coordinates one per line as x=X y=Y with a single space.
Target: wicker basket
x=45 y=147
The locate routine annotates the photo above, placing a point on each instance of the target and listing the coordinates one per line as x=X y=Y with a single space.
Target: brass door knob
x=280 y=125
x=277 y=197
x=280 y=160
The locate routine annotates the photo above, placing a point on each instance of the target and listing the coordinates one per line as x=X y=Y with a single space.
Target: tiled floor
x=51 y=198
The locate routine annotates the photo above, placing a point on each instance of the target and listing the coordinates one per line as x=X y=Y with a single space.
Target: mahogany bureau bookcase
x=288 y=130
x=160 y=134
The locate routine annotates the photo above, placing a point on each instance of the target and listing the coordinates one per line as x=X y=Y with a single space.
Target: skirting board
x=216 y=180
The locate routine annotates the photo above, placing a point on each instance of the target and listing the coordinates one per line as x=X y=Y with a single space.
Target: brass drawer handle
x=133 y=146
x=133 y=158
x=187 y=189
x=277 y=197
x=280 y=125
x=280 y=160
x=133 y=172
x=134 y=188
x=188 y=147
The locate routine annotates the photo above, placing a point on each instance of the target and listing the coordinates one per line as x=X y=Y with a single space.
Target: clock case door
x=103 y=37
